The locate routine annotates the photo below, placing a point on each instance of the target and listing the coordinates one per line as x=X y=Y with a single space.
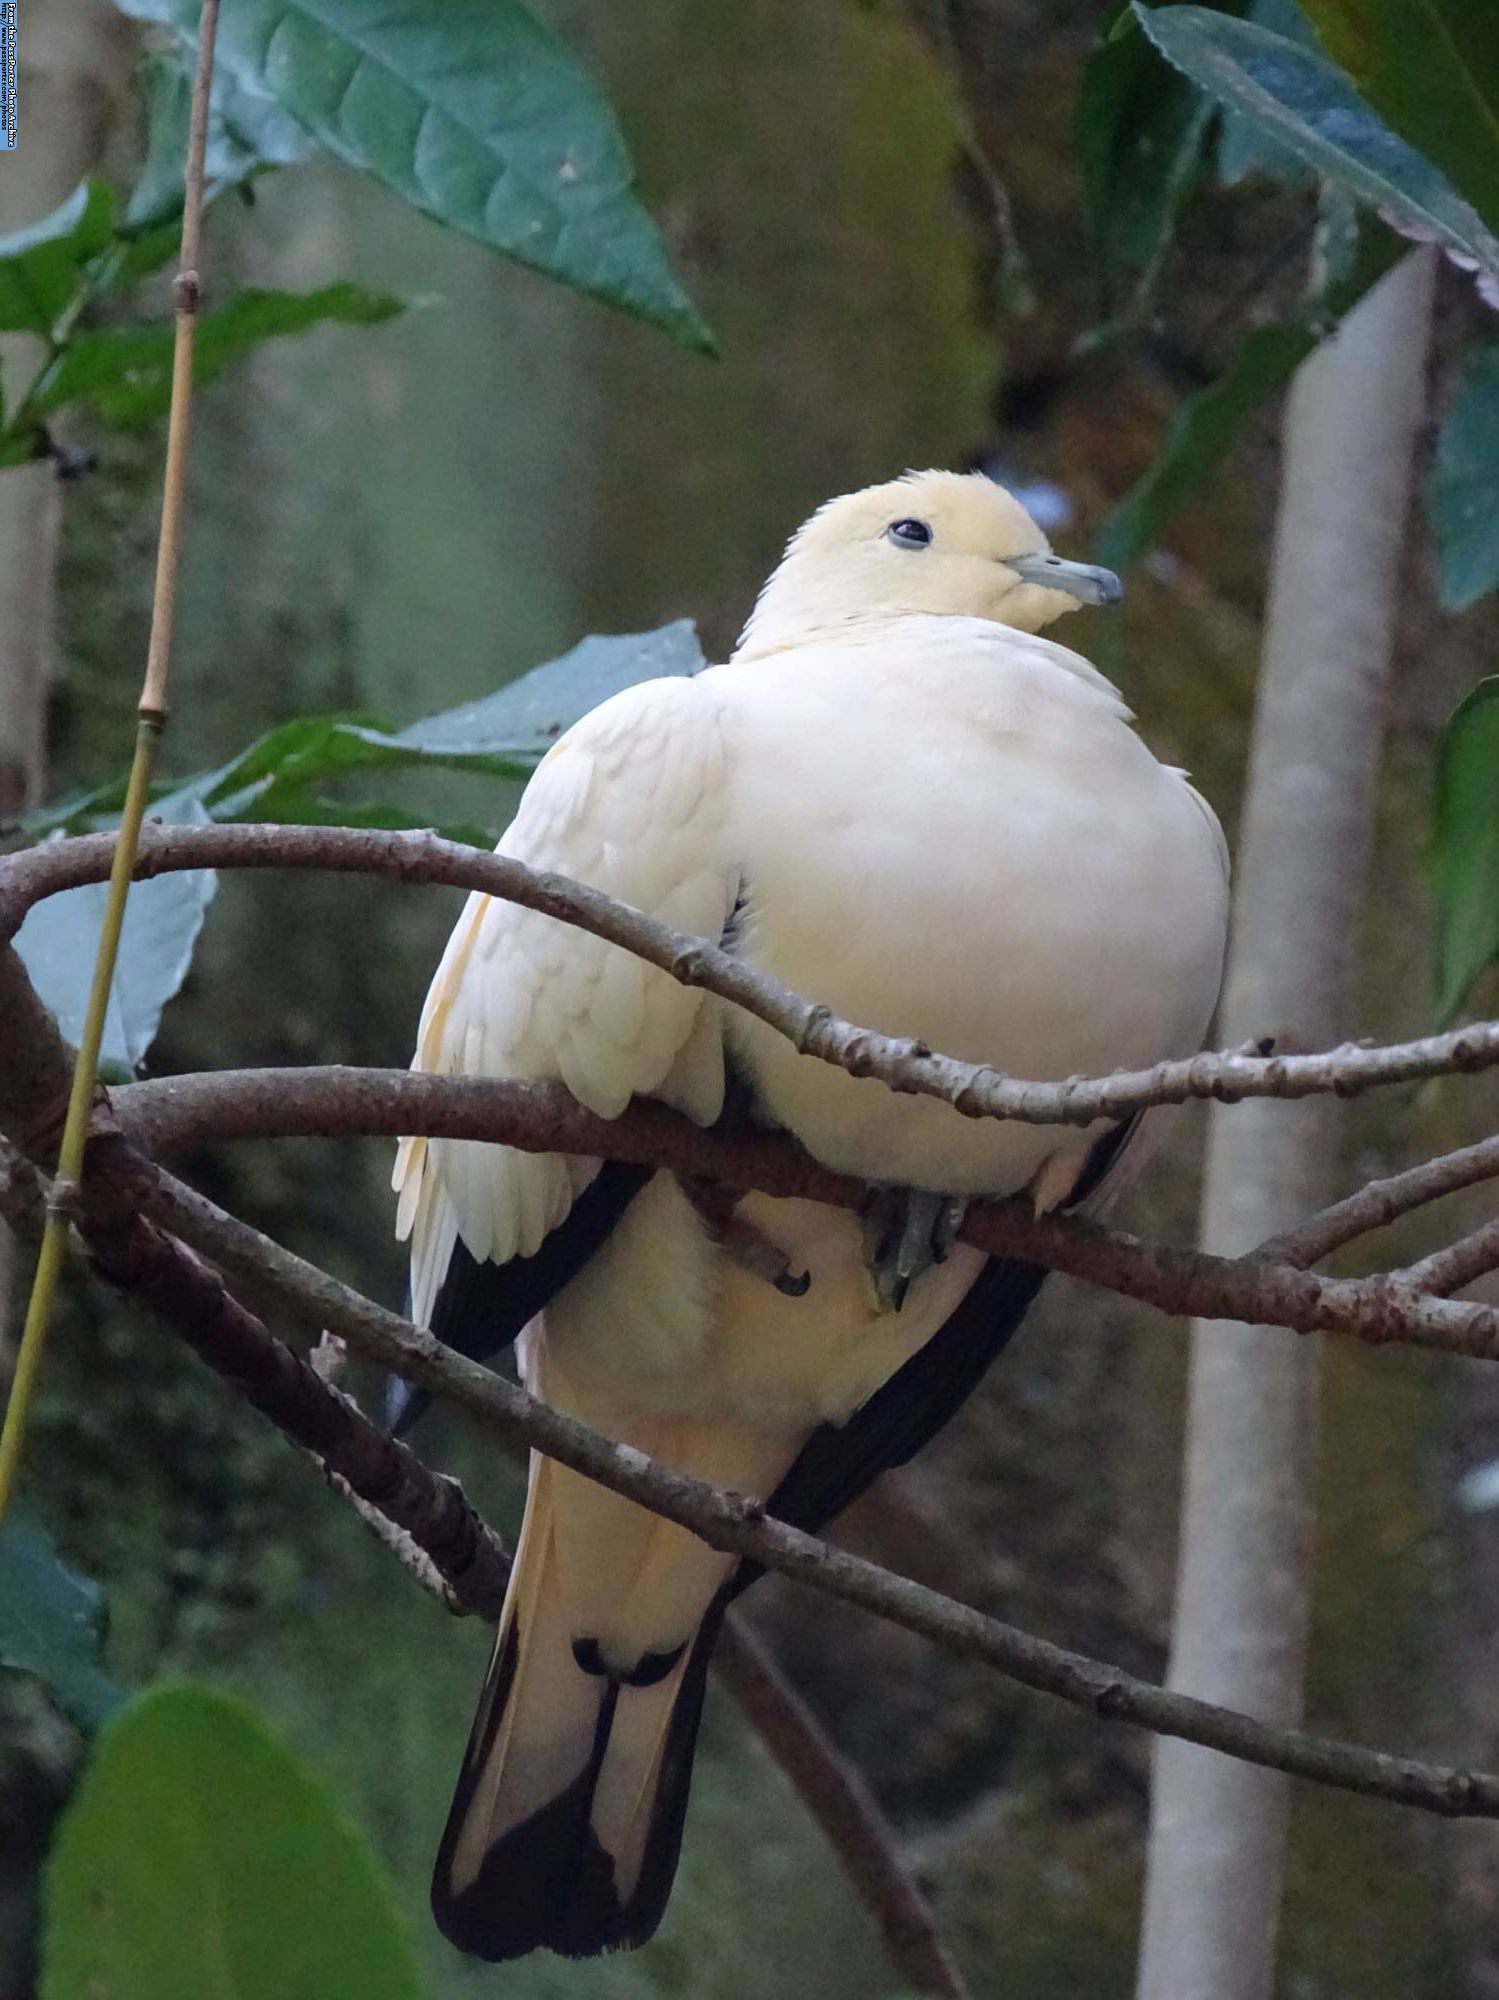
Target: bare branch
x=1459 y=1264
x=740 y=1526
x=975 y=1090
x=1380 y=1203
x=541 y=1117
x=376 y=1469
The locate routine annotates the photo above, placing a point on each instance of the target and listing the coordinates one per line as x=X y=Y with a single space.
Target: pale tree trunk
x=1218 y=1828
x=73 y=69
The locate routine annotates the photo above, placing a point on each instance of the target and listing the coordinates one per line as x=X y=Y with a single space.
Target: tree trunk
x=1218 y=1829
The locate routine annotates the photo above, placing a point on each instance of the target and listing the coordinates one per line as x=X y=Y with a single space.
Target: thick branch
x=975 y=1090
x=423 y=1518
x=192 y=1298
x=738 y=1526
x=541 y=1117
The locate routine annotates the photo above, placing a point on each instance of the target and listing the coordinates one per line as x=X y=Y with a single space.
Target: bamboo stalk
x=151 y=721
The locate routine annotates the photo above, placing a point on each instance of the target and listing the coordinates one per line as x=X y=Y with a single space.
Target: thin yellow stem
x=152 y=715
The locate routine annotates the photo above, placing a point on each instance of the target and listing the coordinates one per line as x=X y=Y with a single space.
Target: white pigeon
x=901 y=802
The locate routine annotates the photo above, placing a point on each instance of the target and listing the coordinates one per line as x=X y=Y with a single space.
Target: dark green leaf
x=475 y=113
x=1207 y=426
x=1141 y=129
x=1465 y=847
x=246 y=132
x=60 y=938
x=125 y=373
x=1203 y=432
x=1300 y=100
x=199 y=1859
x=52 y=1623
x=1243 y=148
x=41 y=268
x=1430 y=69
x=1462 y=499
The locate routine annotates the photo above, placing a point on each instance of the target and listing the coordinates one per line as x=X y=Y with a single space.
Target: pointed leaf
x=1208 y=425
x=476 y=114
x=1243 y=148
x=1430 y=70
x=1462 y=498
x=60 y=938
x=41 y=266
x=525 y=717
x=1300 y=100
x=503 y=735
x=1140 y=133
x=126 y=372
x=200 y=1859
x=1465 y=847
x=52 y=1623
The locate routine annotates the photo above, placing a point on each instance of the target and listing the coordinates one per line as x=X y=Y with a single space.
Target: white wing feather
x=632 y=801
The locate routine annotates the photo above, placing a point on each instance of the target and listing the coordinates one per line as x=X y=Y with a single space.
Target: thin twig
x=976 y=1091
x=1380 y=1203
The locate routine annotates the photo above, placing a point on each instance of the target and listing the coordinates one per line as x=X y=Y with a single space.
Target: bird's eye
x=909 y=534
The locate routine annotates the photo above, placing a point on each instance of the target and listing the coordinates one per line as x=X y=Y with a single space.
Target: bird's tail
x=567 y=1820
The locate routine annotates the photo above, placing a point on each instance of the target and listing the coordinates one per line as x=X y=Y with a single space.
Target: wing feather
x=632 y=802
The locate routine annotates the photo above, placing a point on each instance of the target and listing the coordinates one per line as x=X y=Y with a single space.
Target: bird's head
x=945 y=544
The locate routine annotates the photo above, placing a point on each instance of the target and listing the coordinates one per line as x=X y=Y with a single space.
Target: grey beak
x=1084 y=581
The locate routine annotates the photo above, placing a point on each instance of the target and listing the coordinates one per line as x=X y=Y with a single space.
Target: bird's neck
x=924 y=646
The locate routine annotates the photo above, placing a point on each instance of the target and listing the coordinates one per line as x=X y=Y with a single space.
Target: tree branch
x=1449 y=1270
x=543 y=1117
x=975 y=1090
x=740 y=1526
x=1380 y=1203
x=376 y=1469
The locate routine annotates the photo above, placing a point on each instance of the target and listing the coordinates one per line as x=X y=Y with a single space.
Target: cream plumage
x=899 y=801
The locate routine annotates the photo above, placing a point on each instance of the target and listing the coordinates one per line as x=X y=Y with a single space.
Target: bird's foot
x=740 y=1241
x=914 y=1230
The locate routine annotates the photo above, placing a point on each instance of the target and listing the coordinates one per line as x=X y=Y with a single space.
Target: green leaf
x=476 y=114
x=1298 y=99
x=199 y=1861
x=1140 y=131
x=52 y=1623
x=1208 y=425
x=60 y=938
x=246 y=133
x=1462 y=497
x=125 y=373
x=504 y=735
x=1430 y=69
x=41 y=268
x=525 y=717
x=1465 y=847
x=1243 y=149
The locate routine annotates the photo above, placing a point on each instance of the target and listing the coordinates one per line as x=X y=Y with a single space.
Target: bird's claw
x=917 y=1233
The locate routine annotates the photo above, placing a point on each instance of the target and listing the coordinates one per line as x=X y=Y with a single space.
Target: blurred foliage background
x=402 y=519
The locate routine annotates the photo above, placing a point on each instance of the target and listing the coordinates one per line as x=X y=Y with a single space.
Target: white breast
x=952 y=836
